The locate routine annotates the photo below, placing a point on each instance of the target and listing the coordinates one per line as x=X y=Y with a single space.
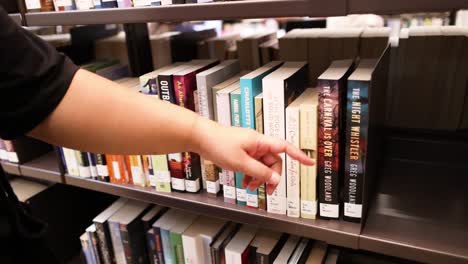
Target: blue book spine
x=236 y=121
x=166 y=244
x=62 y=157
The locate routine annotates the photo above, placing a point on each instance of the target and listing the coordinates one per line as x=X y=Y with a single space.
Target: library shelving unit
x=16 y=17
x=419 y=204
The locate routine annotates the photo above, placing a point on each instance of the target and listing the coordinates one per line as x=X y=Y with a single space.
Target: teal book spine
x=236 y=121
x=166 y=245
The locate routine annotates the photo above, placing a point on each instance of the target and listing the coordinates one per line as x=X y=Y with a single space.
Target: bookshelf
x=237 y=10
x=44 y=168
x=11 y=168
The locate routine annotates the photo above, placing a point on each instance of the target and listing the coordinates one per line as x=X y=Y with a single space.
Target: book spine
x=117 y=245
x=92 y=165
x=136 y=168
x=104 y=243
x=241 y=193
x=292 y=166
x=224 y=118
x=151 y=244
x=204 y=98
x=72 y=162
x=117 y=169
x=262 y=203
x=184 y=87
x=63 y=5
x=329 y=148
x=159 y=245
x=176 y=246
x=357 y=125
x=101 y=164
x=62 y=158
x=274 y=126
x=212 y=178
x=127 y=247
x=166 y=88
x=86 y=248
x=148 y=171
x=12 y=156
x=167 y=248
x=176 y=167
x=97 y=4
x=83 y=164
x=84 y=4
x=162 y=176
x=94 y=242
x=109 y=3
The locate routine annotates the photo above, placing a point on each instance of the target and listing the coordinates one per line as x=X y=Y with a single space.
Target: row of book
x=273 y=100
x=130 y=231
x=67 y=5
x=7 y=151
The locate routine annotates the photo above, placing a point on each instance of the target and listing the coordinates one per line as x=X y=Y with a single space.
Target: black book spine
x=166 y=88
x=152 y=254
x=92 y=165
x=125 y=237
x=101 y=164
x=104 y=242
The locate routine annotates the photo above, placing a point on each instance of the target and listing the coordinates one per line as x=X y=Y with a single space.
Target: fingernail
x=251 y=188
x=274 y=179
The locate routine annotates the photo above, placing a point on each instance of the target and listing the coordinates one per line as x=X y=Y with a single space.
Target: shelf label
x=308 y=207
x=213 y=186
x=12 y=157
x=329 y=210
x=252 y=200
x=102 y=170
x=241 y=195
x=178 y=184
x=192 y=185
x=115 y=167
x=229 y=192
x=276 y=204
x=293 y=207
x=3 y=154
x=353 y=210
x=33 y=4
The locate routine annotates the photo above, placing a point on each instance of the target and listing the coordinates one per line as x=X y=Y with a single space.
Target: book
x=130 y=243
x=103 y=232
x=293 y=180
x=237 y=251
x=108 y=3
x=249 y=51
x=288 y=249
x=332 y=86
x=147 y=221
x=220 y=241
x=206 y=80
x=280 y=88
x=364 y=120
x=149 y=82
x=262 y=203
x=148 y=171
x=373 y=42
x=3 y=152
x=269 y=51
x=92 y=238
x=92 y=165
x=223 y=101
x=184 y=85
x=267 y=245
x=101 y=166
x=117 y=168
x=236 y=121
x=317 y=253
x=84 y=4
x=161 y=232
x=308 y=123
x=152 y=246
x=12 y=156
x=177 y=247
x=63 y=5
x=197 y=238
x=161 y=45
x=212 y=178
x=83 y=164
x=301 y=252
x=162 y=175
x=136 y=170
x=332 y=256
x=86 y=248
x=71 y=161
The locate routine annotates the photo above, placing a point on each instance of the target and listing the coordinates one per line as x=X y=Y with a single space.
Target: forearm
x=100 y=116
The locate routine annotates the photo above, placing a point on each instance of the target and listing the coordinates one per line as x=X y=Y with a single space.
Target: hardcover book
x=332 y=85
x=101 y=165
x=161 y=232
x=177 y=247
x=92 y=165
x=219 y=243
x=223 y=101
x=237 y=251
x=236 y=121
x=267 y=245
x=83 y=164
x=317 y=253
x=287 y=250
x=92 y=238
x=280 y=88
x=136 y=170
x=103 y=232
x=364 y=121
x=308 y=123
x=262 y=200
x=293 y=180
x=71 y=161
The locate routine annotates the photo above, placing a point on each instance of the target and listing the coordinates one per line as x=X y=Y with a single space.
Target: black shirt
x=34 y=78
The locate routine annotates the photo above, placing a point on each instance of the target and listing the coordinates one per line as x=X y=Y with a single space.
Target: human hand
x=246 y=151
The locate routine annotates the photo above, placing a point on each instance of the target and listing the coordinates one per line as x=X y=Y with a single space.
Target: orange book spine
x=128 y=165
x=117 y=170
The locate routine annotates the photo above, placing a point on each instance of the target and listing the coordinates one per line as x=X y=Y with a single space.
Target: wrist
x=198 y=134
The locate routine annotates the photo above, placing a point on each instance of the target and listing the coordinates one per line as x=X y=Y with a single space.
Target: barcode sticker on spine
x=212 y=186
x=115 y=167
x=192 y=186
x=178 y=184
x=241 y=195
x=252 y=200
x=353 y=210
x=309 y=207
x=229 y=192
x=329 y=210
x=102 y=170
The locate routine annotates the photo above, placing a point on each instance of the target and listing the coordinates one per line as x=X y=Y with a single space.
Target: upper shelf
x=239 y=9
x=188 y=12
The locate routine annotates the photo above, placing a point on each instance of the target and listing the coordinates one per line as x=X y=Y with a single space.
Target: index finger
x=281 y=146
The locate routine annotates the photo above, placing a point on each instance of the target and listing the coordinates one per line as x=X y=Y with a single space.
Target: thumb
x=259 y=171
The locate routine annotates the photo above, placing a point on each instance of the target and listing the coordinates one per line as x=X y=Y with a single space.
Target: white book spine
x=3 y=154
x=203 y=107
x=232 y=257
x=190 y=253
x=274 y=125
x=137 y=173
x=84 y=4
x=117 y=245
x=292 y=166
x=71 y=161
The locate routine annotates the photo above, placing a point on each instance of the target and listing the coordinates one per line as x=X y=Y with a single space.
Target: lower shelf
x=339 y=233
x=419 y=212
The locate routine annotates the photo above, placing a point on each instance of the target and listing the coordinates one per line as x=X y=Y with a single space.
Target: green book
x=235 y=97
x=162 y=176
x=175 y=234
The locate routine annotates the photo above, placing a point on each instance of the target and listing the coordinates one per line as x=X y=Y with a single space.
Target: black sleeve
x=34 y=78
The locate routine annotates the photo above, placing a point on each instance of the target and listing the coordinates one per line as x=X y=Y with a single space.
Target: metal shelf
x=403 y=6
x=16 y=18
x=188 y=12
x=11 y=168
x=419 y=212
x=44 y=168
x=334 y=232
